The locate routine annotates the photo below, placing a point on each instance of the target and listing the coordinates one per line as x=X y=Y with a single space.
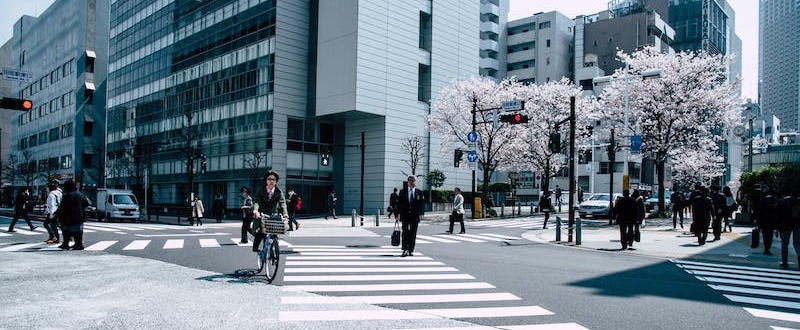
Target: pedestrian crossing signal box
x=16 y=104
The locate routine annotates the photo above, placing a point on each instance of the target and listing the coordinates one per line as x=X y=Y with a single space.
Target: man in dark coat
x=677 y=208
x=702 y=212
x=788 y=225
x=70 y=216
x=625 y=211
x=20 y=209
x=411 y=207
x=765 y=209
x=718 y=201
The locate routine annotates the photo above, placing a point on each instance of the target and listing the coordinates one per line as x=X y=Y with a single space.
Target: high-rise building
x=494 y=15
x=540 y=47
x=64 y=51
x=779 y=61
x=245 y=86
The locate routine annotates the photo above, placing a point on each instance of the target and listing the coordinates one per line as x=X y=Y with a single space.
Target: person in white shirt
x=50 y=221
x=458 y=211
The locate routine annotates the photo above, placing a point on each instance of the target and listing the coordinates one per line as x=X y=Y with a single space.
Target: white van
x=117 y=204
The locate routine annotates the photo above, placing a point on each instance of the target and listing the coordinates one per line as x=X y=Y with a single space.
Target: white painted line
x=503 y=236
x=353 y=257
x=758 y=269
x=209 y=242
x=322 y=246
x=399 y=262
x=18 y=247
x=436 y=239
x=767 y=314
x=370 y=270
x=114 y=227
x=763 y=301
x=100 y=246
x=29 y=233
x=462 y=238
x=98 y=228
x=758 y=273
x=748 y=283
x=137 y=245
x=474 y=327
x=781 y=328
x=389 y=287
x=237 y=240
x=399 y=277
x=173 y=244
x=484 y=237
x=345 y=253
x=4 y=234
x=760 y=292
x=486 y=312
x=88 y=230
x=554 y=326
x=181 y=235
x=303 y=249
x=419 y=241
x=745 y=277
x=338 y=315
x=401 y=299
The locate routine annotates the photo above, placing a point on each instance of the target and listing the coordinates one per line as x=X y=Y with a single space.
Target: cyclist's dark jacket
x=273 y=206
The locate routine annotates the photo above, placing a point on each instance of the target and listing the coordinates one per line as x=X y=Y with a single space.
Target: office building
x=494 y=15
x=779 y=61
x=540 y=47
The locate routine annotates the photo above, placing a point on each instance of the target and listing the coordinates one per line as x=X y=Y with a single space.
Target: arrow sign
x=472 y=156
x=472 y=136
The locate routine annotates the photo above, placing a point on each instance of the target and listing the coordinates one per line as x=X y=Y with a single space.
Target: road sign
x=512 y=105
x=16 y=75
x=636 y=143
x=472 y=156
x=472 y=136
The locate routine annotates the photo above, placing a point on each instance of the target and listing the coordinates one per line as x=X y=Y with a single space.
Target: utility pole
x=190 y=155
x=571 y=206
x=474 y=129
x=611 y=157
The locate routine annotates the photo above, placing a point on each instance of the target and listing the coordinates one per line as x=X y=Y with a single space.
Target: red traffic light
x=16 y=104
x=514 y=118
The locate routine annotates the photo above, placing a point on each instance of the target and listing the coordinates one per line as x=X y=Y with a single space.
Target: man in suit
x=411 y=208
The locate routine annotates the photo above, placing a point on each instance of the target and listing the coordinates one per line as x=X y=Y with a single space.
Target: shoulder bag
x=396 y=234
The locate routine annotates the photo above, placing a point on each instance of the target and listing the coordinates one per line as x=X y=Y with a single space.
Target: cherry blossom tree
x=697 y=166
x=683 y=109
x=548 y=108
x=452 y=117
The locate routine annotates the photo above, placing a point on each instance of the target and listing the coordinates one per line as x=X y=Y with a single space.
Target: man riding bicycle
x=269 y=201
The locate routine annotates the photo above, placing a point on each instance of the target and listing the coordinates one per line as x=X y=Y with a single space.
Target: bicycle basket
x=273 y=225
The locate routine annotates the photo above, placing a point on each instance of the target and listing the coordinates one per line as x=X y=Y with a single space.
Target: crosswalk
x=133 y=245
x=463 y=238
x=536 y=223
x=767 y=293
x=410 y=288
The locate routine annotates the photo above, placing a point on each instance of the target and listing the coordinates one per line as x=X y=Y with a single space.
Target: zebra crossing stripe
x=489 y=238
x=354 y=278
x=502 y=236
x=107 y=227
x=744 y=277
x=19 y=247
x=772 y=273
x=401 y=299
x=304 y=249
x=99 y=228
x=436 y=239
x=237 y=242
x=26 y=232
x=173 y=244
x=389 y=287
x=767 y=314
x=100 y=246
x=763 y=301
x=751 y=291
x=364 y=263
x=4 y=234
x=353 y=257
x=462 y=238
x=712 y=279
x=486 y=312
x=370 y=270
x=137 y=245
x=760 y=270
x=209 y=242
x=553 y=326
x=360 y=315
x=345 y=253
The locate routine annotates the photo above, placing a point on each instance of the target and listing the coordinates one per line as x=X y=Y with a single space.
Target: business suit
x=411 y=210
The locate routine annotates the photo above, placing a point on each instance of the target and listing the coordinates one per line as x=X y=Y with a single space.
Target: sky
x=746 y=24
x=746 y=28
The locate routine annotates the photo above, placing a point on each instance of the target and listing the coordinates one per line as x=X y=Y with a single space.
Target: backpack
x=299 y=204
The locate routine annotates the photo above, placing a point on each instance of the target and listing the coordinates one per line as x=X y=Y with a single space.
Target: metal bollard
x=578 y=231
x=353 y=219
x=378 y=218
x=502 y=211
x=558 y=229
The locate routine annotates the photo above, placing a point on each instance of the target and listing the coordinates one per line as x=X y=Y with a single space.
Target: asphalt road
x=490 y=277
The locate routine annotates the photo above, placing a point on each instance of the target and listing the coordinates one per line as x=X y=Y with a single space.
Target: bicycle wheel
x=273 y=258
x=262 y=254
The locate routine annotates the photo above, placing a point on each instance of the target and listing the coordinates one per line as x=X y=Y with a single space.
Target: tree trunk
x=660 y=177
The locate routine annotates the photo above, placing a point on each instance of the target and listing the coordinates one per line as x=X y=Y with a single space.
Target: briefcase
x=754 y=237
x=396 y=234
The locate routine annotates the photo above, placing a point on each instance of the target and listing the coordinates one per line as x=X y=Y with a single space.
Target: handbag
x=754 y=238
x=396 y=234
x=693 y=228
x=637 y=235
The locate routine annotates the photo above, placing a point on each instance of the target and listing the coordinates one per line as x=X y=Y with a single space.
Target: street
x=492 y=277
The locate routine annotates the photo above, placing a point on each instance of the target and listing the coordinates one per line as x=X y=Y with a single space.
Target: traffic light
x=16 y=104
x=555 y=142
x=203 y=167
x=457 y=157
x=326 y=158
x=514 y=118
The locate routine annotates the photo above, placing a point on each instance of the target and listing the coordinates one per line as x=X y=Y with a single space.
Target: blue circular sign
x=472 y=136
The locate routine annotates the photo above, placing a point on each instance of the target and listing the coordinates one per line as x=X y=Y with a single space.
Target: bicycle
x=269 y=253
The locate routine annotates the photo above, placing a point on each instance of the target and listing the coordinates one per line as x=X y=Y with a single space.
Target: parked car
x=651 y=203
x=596 y=206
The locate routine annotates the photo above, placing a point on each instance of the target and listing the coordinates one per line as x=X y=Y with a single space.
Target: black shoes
x=785 y=266
x=463 y=232
x=411 y=254
x=34 y=228
x=449 y=231
x=12 y=231
x=405 y=253
x=78 y=247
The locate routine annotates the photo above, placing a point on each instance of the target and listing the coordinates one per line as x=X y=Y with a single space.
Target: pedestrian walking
x=247 y=213
x=70 y=216
x=411 y=206
x=218 y=207
x=702 y=213
x=718 y=200
x=640 y=213
x=458 y=211
x=677 y=207
x=50 y=221
x=766 y=218
x=788 y=225
x=292 y=200
x=392 y=204
x=545 y=206
x=269 y=202
x=730 y=208
x=197 y=210
x=625 y=212
x=21 y=209
x=330 y=203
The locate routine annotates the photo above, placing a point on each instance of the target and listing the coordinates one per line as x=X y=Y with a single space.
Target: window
x=424 y=83
x=66 y=162
x=425 y=31
x=55 y=134
x=544 y=25
x=42 y=137
x=548 y=43
x=66 y=130
x=23 y=144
